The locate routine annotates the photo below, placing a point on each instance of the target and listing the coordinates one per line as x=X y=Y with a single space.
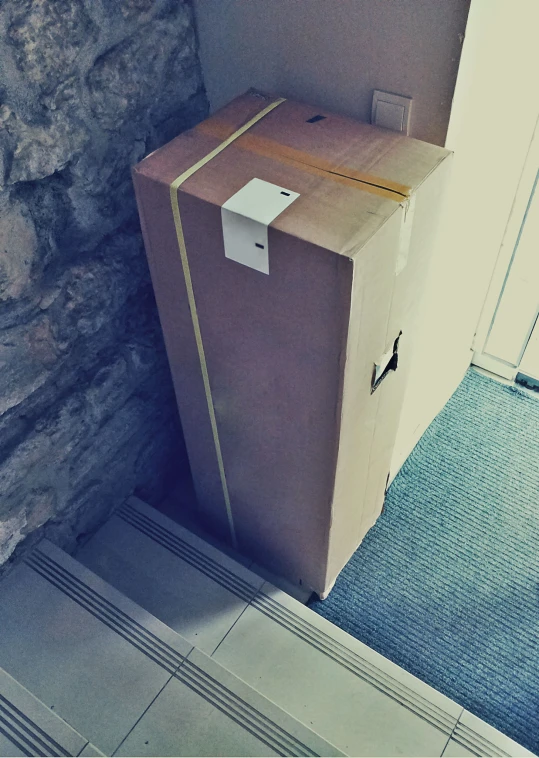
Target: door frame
x=528 y=183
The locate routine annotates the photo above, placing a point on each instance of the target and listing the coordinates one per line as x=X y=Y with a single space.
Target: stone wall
x=87 y=415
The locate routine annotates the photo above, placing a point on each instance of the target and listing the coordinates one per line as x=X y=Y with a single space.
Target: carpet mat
x=446 y=584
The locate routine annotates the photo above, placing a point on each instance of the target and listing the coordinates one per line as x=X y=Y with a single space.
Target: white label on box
x=246 y=217
x=405 y=234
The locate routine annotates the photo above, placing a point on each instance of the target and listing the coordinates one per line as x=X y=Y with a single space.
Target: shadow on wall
x=87 y=413
x=335 y=54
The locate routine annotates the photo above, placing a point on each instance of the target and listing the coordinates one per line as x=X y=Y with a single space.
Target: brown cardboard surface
x=339 y=141
x=273 y=351
x=369 y=335
x=308 y=163
x=305 y=444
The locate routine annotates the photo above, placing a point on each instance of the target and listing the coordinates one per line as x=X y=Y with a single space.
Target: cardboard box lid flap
x=333 y=143
x=349 y=175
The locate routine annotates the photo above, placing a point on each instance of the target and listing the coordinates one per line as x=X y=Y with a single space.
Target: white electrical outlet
x=391 y=111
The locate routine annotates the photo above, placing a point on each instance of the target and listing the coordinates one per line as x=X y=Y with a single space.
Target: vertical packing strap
x=191 y=296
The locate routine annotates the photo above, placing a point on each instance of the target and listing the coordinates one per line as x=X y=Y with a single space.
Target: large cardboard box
x=288 y=248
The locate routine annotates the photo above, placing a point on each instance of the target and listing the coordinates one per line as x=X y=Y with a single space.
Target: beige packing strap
x=191 y=297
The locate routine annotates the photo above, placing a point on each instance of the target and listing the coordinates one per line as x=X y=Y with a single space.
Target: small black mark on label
x=314 y=119
x=257 y=244
x=286 y=193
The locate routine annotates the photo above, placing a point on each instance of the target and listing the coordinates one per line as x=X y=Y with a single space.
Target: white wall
x=333 y=53
x=494 y=112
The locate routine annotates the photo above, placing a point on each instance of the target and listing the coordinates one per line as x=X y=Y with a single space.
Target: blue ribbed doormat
x=446 y=584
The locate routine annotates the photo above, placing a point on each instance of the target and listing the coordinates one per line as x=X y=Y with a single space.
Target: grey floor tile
x=324 y=633
x=188 y=584
x=480 y=738
x=202 y=542
x=98 y=664
x=359 y=701
x=90 y=751
x=456 y=750
x=182 y=723
x=205 y=710
x=298 y=593
x=180 y=507
x=9 y=749
x=27 y=723
x=122 y=604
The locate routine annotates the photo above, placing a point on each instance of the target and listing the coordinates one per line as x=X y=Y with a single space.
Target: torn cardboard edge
x=387 y=363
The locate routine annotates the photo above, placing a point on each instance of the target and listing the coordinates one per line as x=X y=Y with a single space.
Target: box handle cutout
x=314 y=119
x=257 y=244
x=387 y=363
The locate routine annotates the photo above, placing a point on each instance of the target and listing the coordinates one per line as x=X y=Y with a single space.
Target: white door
x=528 y=372
x=507 y=341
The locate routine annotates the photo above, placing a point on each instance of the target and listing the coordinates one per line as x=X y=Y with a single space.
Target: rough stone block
x=27 y=355
x=42 y=149
x=18 y=249
x=87 y=410
x=124 y=81
x=47 y=36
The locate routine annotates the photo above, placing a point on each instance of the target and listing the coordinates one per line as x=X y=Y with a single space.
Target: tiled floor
x=208 y=695
x=113 y=672
x=177 y=507
x=198 y=595
x=27 y=727
x=281 y=680
x=98 y=662
x=346 y=693
x=358 y=700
